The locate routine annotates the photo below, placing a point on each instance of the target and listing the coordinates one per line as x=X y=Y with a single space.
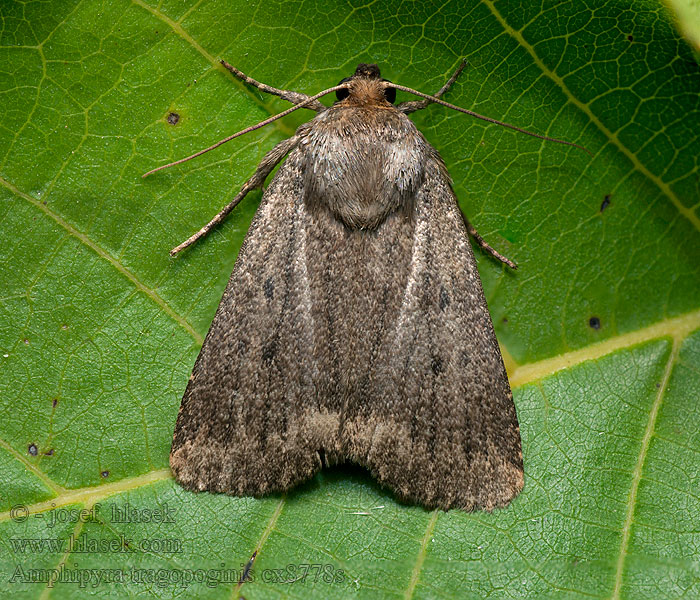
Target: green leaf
x=687 y=14
x=99 y=327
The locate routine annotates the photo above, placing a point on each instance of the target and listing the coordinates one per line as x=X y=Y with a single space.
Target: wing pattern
x=334 y=344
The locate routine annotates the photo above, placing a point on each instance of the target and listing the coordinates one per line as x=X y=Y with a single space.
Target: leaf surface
x=99 y=327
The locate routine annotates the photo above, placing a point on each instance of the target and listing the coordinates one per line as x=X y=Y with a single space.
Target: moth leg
x=482 y=243
x=414 y=105
x=266 y=165
x=290 y=96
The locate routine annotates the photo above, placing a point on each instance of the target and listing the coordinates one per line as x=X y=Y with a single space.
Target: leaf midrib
x=639 y=467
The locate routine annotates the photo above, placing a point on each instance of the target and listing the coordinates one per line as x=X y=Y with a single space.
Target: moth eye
x=389 y=93
x=344 y=93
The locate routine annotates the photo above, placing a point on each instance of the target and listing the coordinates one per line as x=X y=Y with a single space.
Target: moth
x=354 y=326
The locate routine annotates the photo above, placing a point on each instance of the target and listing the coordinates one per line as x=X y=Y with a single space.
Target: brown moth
x=354 y=326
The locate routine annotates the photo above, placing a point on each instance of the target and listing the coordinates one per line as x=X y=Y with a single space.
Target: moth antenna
x=249 y=129
x=483 y=118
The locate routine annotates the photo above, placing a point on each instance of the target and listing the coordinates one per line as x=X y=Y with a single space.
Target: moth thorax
x=366 y=92
x=362 y=164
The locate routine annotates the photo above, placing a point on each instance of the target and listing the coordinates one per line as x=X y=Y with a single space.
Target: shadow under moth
x=354 y=326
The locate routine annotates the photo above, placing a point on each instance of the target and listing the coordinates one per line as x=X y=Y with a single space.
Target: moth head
x=366 y=88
